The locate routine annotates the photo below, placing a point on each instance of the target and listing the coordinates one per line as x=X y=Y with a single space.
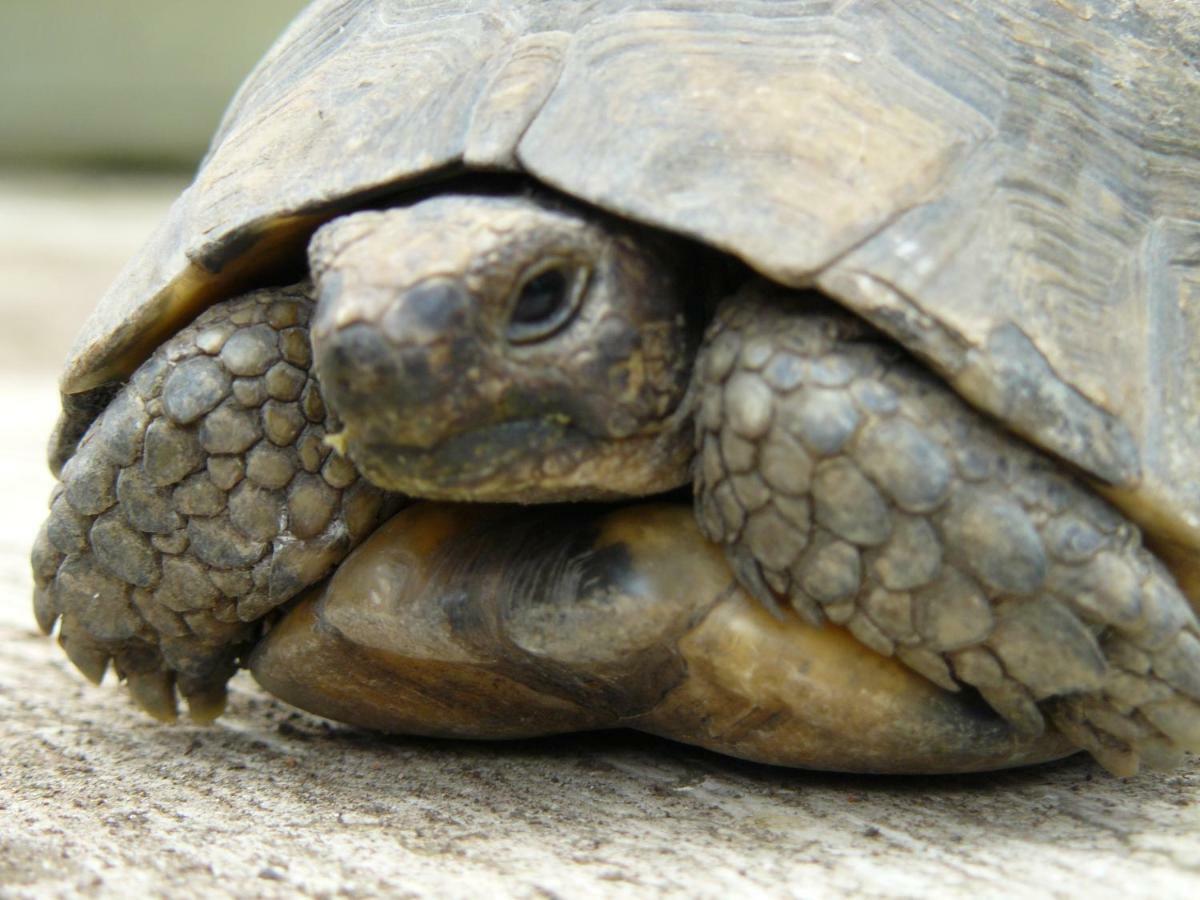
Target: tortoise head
x=501 y=349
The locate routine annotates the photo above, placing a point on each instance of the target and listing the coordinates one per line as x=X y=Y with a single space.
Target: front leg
x=202 y=498
x=849 y=484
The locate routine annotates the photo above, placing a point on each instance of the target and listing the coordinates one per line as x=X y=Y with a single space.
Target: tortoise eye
x=544 y=303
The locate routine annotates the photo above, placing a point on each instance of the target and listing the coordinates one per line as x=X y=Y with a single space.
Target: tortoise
x=902 y=300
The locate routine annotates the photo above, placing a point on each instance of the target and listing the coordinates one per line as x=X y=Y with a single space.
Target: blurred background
x=106 y=106
x=124 y=85
x=105 y=109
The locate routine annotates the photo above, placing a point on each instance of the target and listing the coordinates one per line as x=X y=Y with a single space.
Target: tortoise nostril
x=426 y=312
x=385 y=393
x=356 y=364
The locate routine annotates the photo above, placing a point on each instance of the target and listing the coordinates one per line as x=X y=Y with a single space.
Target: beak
x=397 y=378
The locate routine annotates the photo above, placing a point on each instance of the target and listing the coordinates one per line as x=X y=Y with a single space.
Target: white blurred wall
x=125 y=82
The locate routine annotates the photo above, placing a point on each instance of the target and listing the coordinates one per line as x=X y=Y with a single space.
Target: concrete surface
x=96 y=800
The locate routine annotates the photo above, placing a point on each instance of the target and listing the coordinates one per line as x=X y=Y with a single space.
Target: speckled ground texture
x=97 y=800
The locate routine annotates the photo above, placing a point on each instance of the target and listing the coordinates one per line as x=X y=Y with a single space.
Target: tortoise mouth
x=526 y=461
x=502 y=462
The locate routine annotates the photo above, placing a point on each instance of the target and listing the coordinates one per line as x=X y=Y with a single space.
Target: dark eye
x=544 y=304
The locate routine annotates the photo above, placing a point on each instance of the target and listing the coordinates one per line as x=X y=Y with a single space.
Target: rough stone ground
x=97 y=800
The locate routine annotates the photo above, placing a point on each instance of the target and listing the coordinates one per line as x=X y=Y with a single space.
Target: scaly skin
x=848 y=483
x=841 y=477
x=202 y=498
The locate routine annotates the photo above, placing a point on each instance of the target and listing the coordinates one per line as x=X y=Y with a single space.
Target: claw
x=1178 y=718
x=929 y=664
x=44 y=609
x=45 y=559
x=1160 y=754
x=205 y=702
x=1123 y=762
x=1013 y=702
x=154 y=692
x=88 y=658
x=1179 y=664
x=751 y=578
x=1118 y=757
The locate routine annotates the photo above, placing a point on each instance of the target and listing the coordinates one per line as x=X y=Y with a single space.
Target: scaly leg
x=846 y=481
x=200 y=499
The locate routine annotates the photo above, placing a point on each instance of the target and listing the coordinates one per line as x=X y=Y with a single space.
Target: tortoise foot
x=490 y=622
x=200 y=499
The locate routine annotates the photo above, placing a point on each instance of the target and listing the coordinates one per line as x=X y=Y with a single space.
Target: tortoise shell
x=1010 y=190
